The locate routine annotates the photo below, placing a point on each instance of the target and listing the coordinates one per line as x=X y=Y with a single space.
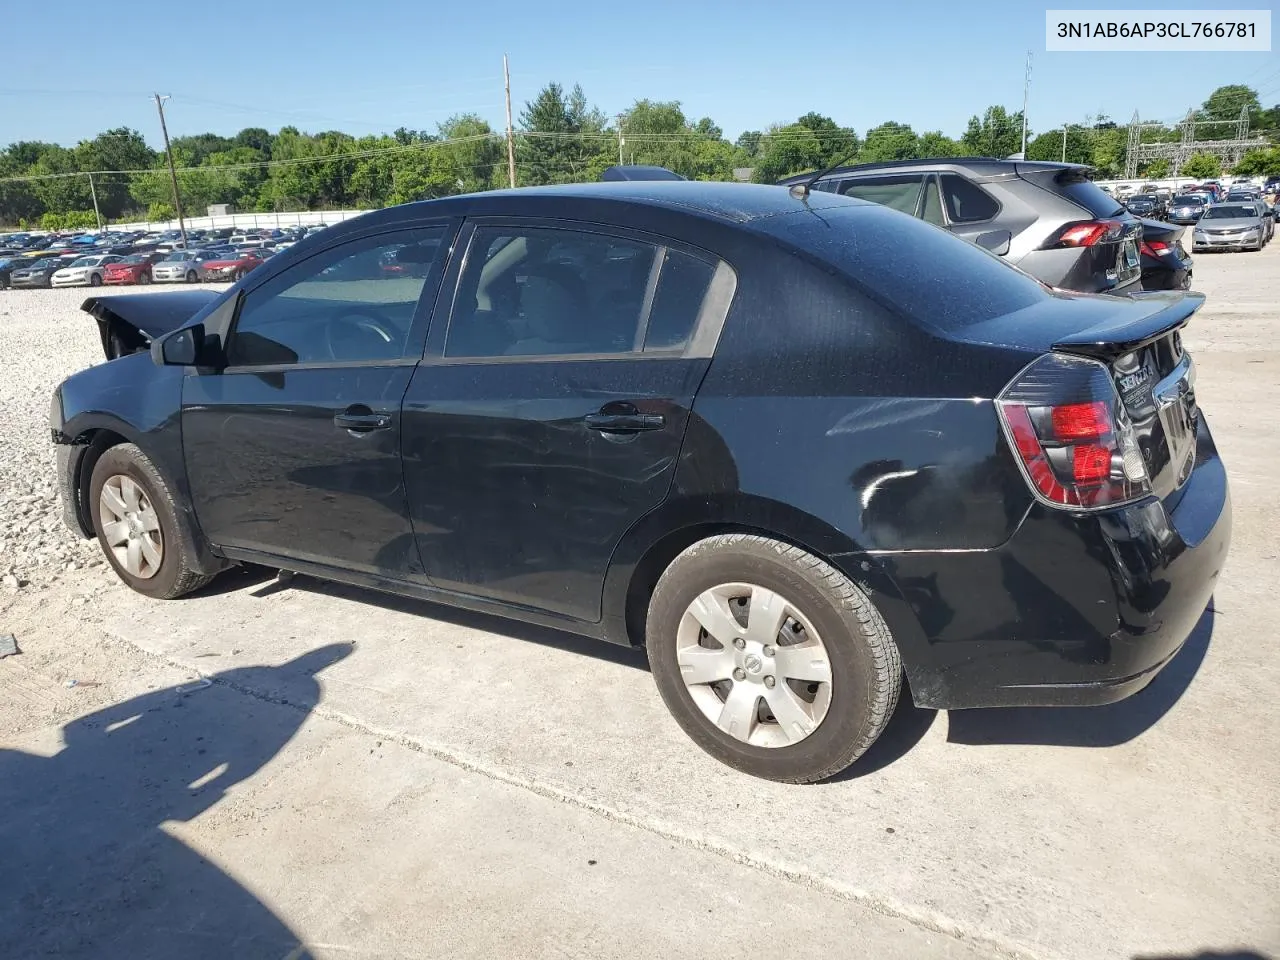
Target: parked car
x=1187 y=208
x=1049 y=219
x=39 y=273
x=1272 y=185
x=84 y=272
x=1268 y=215
x=1230 y=226
x=573 y=418
x=1166 y=265
x=7 y=266
x=1146 y=205
x=231 y=266
x=182 y=266
x=132 y=269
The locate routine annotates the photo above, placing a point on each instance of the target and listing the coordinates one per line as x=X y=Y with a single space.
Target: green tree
x=1157 y=168
x=838 y=144
x=783 y=151
x=749 y=142
x=117 y=149
x=561 y=137
x=1264 y=163
x=199 y=146
x=937 y=144
x=1201 y=165
x=890 y=141
x=997 y=133
x=1225 y=103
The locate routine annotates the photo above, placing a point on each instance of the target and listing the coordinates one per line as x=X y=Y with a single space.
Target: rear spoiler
x=128 y=323
x=1114 y=338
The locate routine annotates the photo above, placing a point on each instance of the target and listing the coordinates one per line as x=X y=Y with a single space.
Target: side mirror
x=180 y=348
x=997 y=241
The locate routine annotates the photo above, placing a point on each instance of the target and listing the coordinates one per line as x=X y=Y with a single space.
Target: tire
x=192 y=277
x=95 y=280
x=174 y=575
x=144 y=278
x=237 y=276
x=848 y=711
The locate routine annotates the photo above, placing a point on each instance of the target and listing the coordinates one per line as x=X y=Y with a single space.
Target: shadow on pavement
x=1105 y=726
x=85 y=868
x=1208 y=955
x=516 y=629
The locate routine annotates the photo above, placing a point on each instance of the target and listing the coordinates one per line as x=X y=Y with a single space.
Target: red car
x=233 y=266
x=135 y=268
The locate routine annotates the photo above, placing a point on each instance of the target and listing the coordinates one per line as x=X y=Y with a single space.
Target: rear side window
x=924 y=274
x=550 y=292
x=1089 y=195
x=967 y=202
x=899 y=191
x=932 y=204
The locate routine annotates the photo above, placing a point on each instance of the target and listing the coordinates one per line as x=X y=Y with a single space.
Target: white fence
x=247 y=221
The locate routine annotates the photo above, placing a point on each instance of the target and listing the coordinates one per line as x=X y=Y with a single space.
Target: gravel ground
x=44 y=338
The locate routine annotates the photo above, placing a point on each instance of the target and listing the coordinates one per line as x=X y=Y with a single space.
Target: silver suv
x=1049 y=219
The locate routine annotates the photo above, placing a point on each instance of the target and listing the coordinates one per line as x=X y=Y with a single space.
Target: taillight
x=1072 y=435
x=1087 y=234
x=1155 y=248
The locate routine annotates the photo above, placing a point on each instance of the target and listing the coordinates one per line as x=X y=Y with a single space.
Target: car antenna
x=801 y=190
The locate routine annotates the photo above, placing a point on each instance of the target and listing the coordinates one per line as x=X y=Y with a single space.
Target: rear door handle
x=624 y=422
x=361 y=420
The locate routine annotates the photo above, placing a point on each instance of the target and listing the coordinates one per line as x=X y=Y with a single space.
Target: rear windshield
x=1090 y=196
x=1229 y=213
x=917 y=270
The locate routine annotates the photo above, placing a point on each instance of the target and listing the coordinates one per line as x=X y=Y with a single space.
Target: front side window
x=551 y=292
x=353 y=303
x=899 y=191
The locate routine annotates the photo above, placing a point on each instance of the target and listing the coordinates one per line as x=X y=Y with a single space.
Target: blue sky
x=373 y=66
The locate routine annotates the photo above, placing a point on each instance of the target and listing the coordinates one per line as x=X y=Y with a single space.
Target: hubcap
x=754 y=665
x=131 y=527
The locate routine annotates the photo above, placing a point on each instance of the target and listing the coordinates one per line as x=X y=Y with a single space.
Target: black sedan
x=1187 y=208
x=1166 y=265
x=799 y=446
x=40 y=273
x=1147 y=205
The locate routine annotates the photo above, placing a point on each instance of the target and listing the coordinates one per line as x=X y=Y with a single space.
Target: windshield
x=1229 y=213
x=85 y=262
x=1186 y=200
x=46 y=264
x=176 y=257
x=135 y=258
x=1145 y=197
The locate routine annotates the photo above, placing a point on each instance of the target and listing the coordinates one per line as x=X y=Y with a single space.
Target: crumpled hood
x=129 y=322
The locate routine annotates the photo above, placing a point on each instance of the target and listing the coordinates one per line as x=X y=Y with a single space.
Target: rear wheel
x=192 y=276
x=770 y=659
x=144 y=277
x=135 y=519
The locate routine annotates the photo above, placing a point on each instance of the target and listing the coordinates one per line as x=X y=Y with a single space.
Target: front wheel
x=192 y=276
x=95 y=280
x=770 y=659
x=136 y=522
x=144 y=278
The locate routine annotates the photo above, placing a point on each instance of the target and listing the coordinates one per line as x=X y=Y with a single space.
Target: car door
x=293 y=449
x=547 y=417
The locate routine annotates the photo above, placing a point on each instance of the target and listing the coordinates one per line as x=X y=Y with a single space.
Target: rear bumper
x=1072 y=610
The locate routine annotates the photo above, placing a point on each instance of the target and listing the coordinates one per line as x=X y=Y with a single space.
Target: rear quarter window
x=914 y=269
x=1089 y=195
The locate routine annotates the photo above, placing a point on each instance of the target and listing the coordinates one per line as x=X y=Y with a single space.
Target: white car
x=85 y=272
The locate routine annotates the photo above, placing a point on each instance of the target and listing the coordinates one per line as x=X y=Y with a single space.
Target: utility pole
x=173 y=174
x=1026 y=91
x=621 y=140
x=1064 y=143
x=93 y=191
x=511 y=140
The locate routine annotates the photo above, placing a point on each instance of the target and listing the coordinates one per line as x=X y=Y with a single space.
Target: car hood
x=130 y=322
x=1235 y=223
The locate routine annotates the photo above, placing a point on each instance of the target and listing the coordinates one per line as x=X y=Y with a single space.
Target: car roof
x=725 y=202
x=979 y=166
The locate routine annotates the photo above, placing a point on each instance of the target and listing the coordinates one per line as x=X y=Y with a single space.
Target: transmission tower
x=1229 y=152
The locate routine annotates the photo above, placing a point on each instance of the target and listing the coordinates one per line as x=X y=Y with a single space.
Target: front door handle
x=361 y=419
x=630 y=422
